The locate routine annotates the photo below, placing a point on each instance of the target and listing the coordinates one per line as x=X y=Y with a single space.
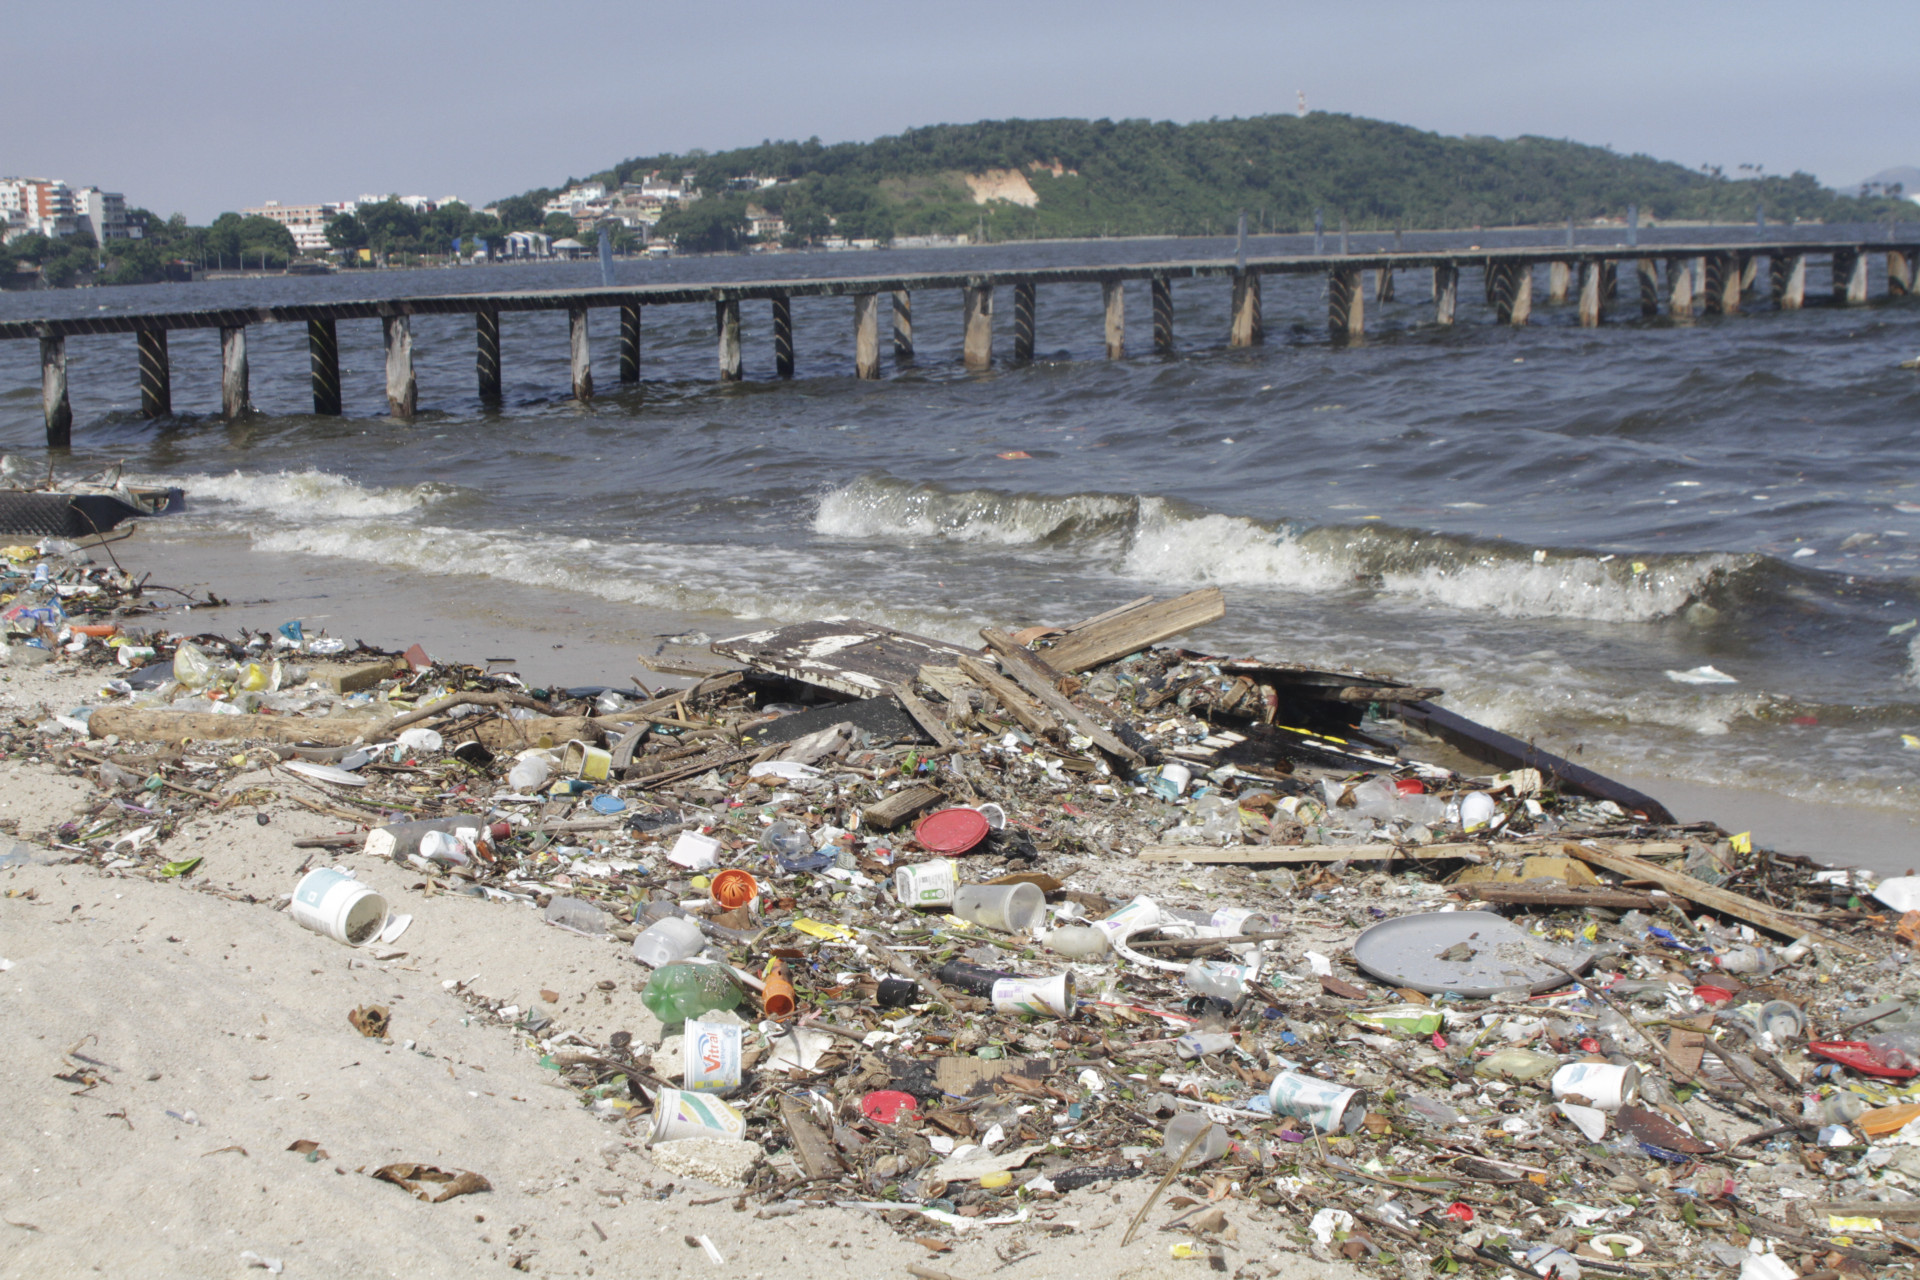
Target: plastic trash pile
x=944 y=956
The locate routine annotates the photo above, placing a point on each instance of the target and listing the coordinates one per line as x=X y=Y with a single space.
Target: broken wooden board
x=1255 y=854
x=810 y=1143
x=860 y=658
x=139 y=724
x=1032 y=716
x=907 y=802
x=1031 y=675
x=923 y=715
x=1493 y=747
x=1610 y=858
x=1131 y=630
x=1570 y=871
x=1562 y=895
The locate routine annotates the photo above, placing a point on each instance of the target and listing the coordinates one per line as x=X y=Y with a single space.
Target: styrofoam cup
x=1602 y=1084
x=1035 y=995
x=328 y=900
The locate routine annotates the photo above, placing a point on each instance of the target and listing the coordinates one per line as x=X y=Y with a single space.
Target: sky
x=201 y=106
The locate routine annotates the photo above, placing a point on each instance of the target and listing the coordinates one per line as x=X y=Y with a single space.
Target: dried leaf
x=423 y=1180
x=371 y=1020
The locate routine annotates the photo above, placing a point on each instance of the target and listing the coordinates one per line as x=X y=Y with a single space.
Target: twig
x=1165 y=1181
x=498 y=698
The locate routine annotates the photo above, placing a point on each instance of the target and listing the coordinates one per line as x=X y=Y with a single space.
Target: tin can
x=679 y=1114
x=1604 y=1085
x=1326 y=1106
x=1035 y=995
x=926 y=884
x=710 y=1057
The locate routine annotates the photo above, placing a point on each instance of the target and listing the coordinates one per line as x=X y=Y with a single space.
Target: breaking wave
x=307 y=495
x=1157 y=540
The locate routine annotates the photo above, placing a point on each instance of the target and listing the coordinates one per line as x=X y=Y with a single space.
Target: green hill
x=1139 y=177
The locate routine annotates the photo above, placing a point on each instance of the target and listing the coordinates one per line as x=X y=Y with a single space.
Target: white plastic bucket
x=328 y=900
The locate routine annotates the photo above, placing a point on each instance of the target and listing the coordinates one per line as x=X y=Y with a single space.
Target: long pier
x=1681 y=280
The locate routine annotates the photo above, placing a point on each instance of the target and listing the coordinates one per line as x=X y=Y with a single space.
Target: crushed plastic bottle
x=1516 y=1064
x=1218 y=980
x=1898 y=1049
x=677 y=992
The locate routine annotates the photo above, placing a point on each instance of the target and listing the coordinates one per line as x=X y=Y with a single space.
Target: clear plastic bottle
x=1898 y=1049
x=668 y=941
x=577 y=914
x=1182 y=1129
x=1217 y=979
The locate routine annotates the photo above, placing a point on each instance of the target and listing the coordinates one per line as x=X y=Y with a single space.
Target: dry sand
x=203 y=1032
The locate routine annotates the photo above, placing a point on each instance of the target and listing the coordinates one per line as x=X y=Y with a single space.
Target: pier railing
x=1681 y=280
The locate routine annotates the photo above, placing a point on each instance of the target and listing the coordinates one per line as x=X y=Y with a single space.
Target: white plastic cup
x=1604 y=1085
x=329 y=901
x=680 y=1113
x=996 y=816
x=667 y=941
x=1141 y=913
x=1010 y=908
x=1326 y=1106
x=926 y=884
x=710 y=1057
x=1035 y=995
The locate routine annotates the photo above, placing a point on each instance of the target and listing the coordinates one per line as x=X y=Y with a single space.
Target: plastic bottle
x=445 y=848
x=1744 y=960
x=1898 y=1049
x=668 y=941
x=577 y=914
x=1516 y=1064
x=401 y=840
x=1219 y=980
x=1197 y=1044
x=677 y=992
x=1076 y=941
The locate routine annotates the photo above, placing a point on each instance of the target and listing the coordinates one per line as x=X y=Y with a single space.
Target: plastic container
x=1516 y=1064
x=710 y=1057
x=1076 y=942
x=529 y=774
x=694 y=851
x=1141 y=913
x=677 y=992
x=583 y=761
x=776 y=990
x=578 y=915
x=1218 y=980
x=786 y=840
x=1198 y=1044
x=1009 y=908
x=1047 y=996
x=682 y=1113
x=1184 y=1128
x=734 y=888
x=1476 y=810
x=1602 y=1084
x=329 y=901
x=1898 y=1049
x=668 y=941
x=401 y=840
x=926 y=884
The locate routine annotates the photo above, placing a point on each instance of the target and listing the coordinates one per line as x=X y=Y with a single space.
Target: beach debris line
x=1233 y=932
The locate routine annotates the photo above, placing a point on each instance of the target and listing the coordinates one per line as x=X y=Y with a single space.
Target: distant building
x=529 y=244
x=105 y=214
x=569 y=248
x=762 y=225
x=307 y=222
x=44 y=206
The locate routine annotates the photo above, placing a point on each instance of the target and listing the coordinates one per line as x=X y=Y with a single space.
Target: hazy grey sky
x=206 y=105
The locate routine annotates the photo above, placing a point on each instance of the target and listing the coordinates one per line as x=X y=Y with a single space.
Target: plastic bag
x=192 y=666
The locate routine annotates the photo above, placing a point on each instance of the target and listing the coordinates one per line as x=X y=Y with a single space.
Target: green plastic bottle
x=677 y=992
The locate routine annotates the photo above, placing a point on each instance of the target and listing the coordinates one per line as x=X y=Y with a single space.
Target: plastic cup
x=926 y=884
x=1181 y=1131
x=1035 y=995
x=329 y=901
x=680 y=1113
x=1326 y=1106
x=1604 y=1085
x=734 y=888
x=1009 y=908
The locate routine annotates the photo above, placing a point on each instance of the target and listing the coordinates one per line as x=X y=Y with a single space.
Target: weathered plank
x=54 y=405
x=1031 y=715
x=1254 y=854
x=896 y=808
x=1248 y=328
x=1446 y=292
x=726 y=324
x=1113 y=297
x=902 y=324
x=1709 y=896
x=233 y=372
x=1346 y=304
x=866 y=335
x=156 y=374
x=1135 y=629
x=402 y=391
x=923 y=716
x=1521 y=895
x=323 y=366
x=977 y=344
x=861 y=658
x=1027 y=670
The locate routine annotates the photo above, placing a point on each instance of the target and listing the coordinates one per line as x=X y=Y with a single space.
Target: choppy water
x=1543 y=522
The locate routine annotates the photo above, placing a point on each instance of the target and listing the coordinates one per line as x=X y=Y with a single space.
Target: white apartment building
x=307 y=222
x=105 y=214
x=37 y=206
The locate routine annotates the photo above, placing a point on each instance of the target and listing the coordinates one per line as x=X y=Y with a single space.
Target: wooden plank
x=1113 y=296
x=1709 y=896
x=908 y=802
x=1028 y=712
x=1368 y=693
x=156 y=374
x=1114 y=612
x=486 y=353
x=630 y=342
x=811 y=1146
x=579 y=353
x=1134 y=630
x=1162 y=315
x=1446 y=292
x=1024 y=303
x=861 y=658
x=323 y=367
x=726 y=324
x=1253 y=854
x=1521 y=895
x=1248 y=329
x=1026 y=669
x=902 y=325
x=923 y=716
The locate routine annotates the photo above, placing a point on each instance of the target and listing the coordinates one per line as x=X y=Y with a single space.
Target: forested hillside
x=1131 y=177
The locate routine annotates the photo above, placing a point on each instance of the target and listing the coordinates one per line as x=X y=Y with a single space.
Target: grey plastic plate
x=1406 y=953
